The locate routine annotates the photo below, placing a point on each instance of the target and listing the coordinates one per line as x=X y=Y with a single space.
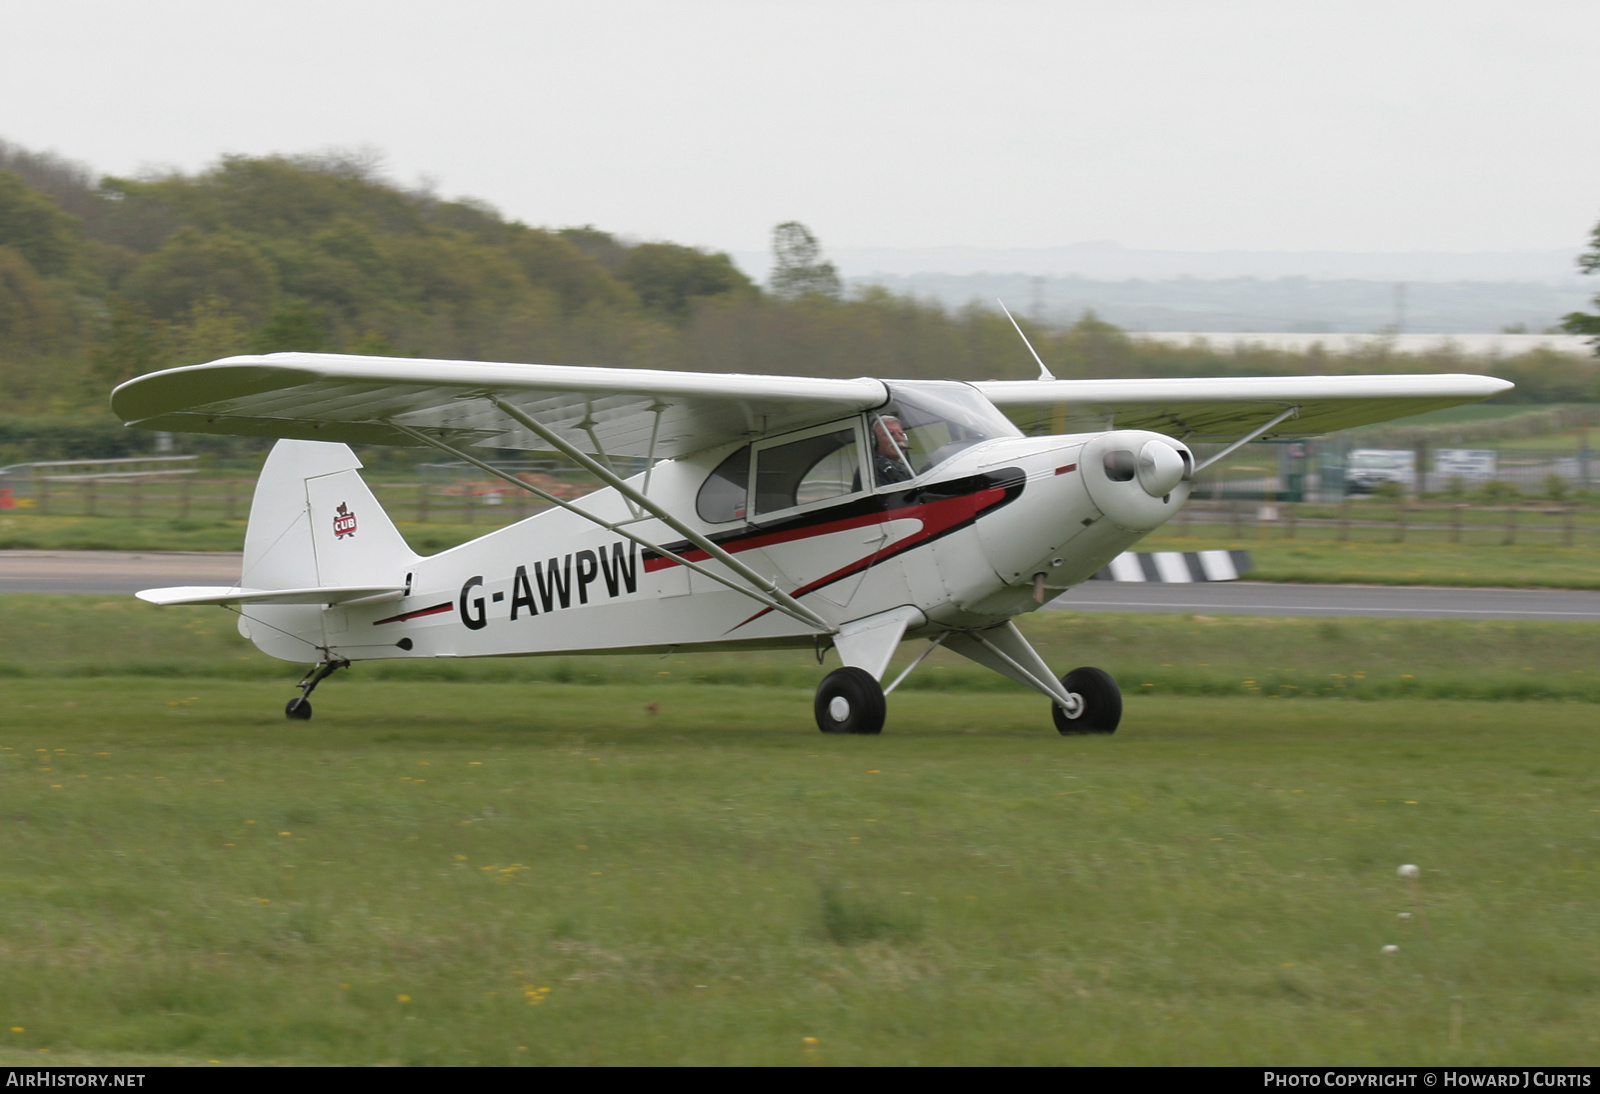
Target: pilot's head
x=889 y=437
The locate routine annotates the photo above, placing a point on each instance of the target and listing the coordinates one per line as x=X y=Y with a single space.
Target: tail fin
x=314 y=522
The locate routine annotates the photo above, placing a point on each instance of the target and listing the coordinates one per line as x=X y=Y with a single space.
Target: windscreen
x=940 y=418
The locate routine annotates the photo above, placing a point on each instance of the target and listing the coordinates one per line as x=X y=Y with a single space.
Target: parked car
x=1367 y=467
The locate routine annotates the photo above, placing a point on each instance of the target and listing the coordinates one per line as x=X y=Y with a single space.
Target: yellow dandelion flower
x=402 y=999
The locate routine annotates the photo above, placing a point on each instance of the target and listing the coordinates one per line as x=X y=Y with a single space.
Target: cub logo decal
x=344 y=522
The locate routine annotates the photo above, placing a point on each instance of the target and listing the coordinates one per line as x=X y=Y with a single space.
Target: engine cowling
x=1138 y=479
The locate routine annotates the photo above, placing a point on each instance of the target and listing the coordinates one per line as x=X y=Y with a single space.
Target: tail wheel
x=1099 y=703
x=849 y=700
x=298 y=710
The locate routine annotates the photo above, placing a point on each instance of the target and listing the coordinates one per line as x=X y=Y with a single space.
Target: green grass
x=188 y=877
x=1565 y=442
x=28 y=531
x=73 y=638
x=1365 y=563
x=1478 y=412
x=661 y=861
x=1483 y=425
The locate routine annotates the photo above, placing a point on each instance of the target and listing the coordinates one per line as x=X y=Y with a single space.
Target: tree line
x=104 y=278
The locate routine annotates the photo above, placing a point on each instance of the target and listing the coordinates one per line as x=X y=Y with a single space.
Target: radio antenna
x=1044 y=373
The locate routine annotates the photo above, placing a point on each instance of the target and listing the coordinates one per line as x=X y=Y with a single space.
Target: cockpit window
x=722 y=496
x=814 y=468
x=940 y=418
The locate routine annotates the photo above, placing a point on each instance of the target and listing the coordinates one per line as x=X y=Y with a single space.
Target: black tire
x=299 y=709
x=1102 y=703
x=850 y=701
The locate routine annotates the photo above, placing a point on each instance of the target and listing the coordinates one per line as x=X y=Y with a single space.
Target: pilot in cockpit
x=890 y=451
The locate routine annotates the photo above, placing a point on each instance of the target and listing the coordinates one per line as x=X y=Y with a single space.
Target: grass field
x=503 y=868
x=473 y=874
x=72 y=638
x=1356 y=563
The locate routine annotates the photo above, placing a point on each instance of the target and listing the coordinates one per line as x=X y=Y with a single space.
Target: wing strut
x=650 y=457
x=776 y=603
x=1246 y=439
x=783 y=601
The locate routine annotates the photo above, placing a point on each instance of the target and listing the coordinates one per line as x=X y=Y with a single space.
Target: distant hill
x=1108 y=261
x=1287 y=304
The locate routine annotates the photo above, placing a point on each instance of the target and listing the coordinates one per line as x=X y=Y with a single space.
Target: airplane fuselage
x=964 y=544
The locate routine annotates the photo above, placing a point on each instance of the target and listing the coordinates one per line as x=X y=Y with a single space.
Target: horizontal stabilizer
x=224 y=594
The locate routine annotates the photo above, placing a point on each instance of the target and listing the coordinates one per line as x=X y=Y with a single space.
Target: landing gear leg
x=1083 y=701
x=299 y=708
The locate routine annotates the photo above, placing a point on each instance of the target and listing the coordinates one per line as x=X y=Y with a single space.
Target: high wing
x=640 y=412
x=376 y=400
x=1226 y=409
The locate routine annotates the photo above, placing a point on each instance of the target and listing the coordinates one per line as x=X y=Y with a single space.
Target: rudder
x=313 y=521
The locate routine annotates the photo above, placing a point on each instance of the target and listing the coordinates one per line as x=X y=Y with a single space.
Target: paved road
x=112 y=572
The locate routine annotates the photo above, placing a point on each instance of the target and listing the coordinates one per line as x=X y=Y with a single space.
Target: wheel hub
x=839 y=708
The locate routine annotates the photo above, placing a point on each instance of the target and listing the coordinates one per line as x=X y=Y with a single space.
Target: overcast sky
x=1284 y=125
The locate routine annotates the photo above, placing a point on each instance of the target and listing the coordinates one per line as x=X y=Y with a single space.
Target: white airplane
x=773 y=511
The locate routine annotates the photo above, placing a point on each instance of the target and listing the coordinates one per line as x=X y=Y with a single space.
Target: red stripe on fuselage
x=937 y=518
x=930 y=513
x=418 y=614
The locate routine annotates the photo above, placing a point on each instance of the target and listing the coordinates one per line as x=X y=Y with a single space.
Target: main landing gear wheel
x=298 y=709
x=1099 y=703
x=849 y=700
